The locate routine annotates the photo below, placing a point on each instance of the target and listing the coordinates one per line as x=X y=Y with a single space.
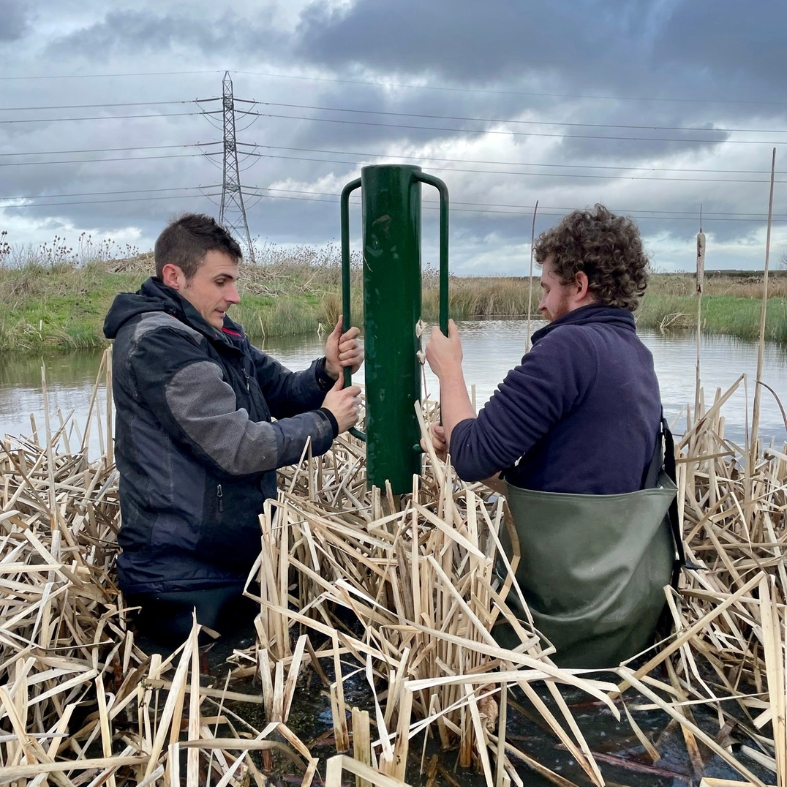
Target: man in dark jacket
x=196 y=446
x=573 y=425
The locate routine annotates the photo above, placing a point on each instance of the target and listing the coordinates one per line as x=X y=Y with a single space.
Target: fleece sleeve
x=186 y=392
x=550 y=382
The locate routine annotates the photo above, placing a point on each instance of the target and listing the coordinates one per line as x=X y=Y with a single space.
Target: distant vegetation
x=56 y=297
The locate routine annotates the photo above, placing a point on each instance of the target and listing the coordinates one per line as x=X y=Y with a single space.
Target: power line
x=105 y=76
x=253 y=189
x=108 y=150
x=389 y=85
x=530 y=174
x=510 y=163
x=96 y=106
x=508 y=92
x=527 y=213
x=627 y=211
x=395 y=155
x=481 y=207
x=518 y=122
x=99 y=193
x=104 y=202
x=101 y=160
x=111 y=117
x=638 y=218
x=398 y=156
x=510 y=133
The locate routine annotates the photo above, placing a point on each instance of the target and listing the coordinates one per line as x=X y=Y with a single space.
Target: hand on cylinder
x=439 y=441
x=444 y=353
x=342 y=350
x=344 y=404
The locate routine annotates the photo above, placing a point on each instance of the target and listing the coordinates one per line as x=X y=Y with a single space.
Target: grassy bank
x=721 y=314
x=61 y=305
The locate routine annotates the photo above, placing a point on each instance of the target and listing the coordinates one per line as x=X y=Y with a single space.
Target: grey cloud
x=132 y=32
x=625 y=48
x=15 y=21
x=474 y=42
x=730 y=41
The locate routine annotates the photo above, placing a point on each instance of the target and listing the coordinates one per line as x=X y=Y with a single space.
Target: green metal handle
x=443 y=191
x=345 y=220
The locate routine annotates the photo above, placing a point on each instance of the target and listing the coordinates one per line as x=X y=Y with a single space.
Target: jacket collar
x=175 y=304
x=593 y=313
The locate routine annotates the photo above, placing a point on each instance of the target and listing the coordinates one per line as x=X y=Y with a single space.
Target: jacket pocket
x=230 y=532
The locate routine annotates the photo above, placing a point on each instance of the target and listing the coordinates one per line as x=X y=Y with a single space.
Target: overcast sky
x=651 y=108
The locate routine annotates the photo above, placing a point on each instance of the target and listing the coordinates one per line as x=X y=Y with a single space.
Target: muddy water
x=621 y=758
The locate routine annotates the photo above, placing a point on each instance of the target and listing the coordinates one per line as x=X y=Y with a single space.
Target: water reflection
x=491 y=348
x=70 y=381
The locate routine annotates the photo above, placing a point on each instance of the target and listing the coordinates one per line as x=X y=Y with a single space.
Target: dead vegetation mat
x=395 y=593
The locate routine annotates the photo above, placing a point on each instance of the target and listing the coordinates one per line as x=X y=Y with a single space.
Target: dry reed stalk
x=701 y=244
x=64 y=644
x=530 y=280
x=406 y=590
x=361 y=742
x=755 y=419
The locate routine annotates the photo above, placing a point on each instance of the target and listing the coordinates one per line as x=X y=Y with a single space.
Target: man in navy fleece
x=579 y=416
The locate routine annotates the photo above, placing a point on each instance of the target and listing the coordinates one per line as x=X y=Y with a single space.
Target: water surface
x=491 y=348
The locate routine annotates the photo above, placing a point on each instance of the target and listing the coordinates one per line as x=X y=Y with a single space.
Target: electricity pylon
x=232 y=213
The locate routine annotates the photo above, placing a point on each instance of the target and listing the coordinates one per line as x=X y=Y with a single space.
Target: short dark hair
x=188 y=238
x=608 y=248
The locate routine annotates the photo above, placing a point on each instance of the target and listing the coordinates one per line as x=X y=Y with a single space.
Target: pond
x=491 y=348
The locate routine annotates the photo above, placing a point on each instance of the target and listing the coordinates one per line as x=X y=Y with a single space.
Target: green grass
x=60 y=307
x=60 y=304
x=721 y=314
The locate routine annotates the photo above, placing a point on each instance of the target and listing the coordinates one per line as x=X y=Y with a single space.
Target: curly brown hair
x=608 y=248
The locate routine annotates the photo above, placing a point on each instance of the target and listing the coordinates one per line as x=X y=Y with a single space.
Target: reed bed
x=399 y=592
x=417 y=578
x=80 y=702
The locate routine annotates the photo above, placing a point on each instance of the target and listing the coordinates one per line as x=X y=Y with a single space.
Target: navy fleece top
x=580 y=413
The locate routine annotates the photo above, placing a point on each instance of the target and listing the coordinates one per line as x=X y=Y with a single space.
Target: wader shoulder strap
x=672 y=514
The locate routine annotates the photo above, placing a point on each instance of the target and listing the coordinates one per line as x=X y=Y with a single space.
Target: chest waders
x=593 y=567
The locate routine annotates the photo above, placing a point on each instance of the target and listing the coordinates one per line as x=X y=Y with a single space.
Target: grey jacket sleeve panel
x=174 y=378
x=204 y=407
x=289 y=393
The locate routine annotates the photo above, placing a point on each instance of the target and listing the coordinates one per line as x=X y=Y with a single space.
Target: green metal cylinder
x=392 y=307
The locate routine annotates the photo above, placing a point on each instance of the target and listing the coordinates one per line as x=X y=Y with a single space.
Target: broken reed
x=79 y=701
x=399 y=592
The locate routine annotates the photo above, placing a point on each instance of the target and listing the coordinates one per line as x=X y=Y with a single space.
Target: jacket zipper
x=220 y=496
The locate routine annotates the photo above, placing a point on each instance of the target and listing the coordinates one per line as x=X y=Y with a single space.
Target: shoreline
x=53 y=309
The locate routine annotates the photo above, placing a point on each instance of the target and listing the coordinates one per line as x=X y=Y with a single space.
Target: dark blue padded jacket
x=195 y=443
x=580 y=414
